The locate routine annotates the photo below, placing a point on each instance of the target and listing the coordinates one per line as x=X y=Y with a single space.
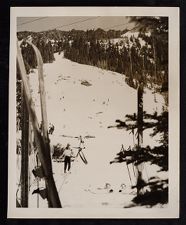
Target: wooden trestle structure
x=40 y=136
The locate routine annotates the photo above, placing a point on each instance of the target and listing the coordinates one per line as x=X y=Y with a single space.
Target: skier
x=67 y=154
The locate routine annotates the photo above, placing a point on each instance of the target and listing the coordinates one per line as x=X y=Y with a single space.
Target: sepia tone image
x=92 y=112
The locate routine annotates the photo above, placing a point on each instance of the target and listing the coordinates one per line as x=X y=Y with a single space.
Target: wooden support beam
x=42 y=92
x=43 y=107
x=24 y=154
x=43 y=147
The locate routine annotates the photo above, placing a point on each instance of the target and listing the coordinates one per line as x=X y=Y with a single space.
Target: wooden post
x=24 y=154
x=42 y=92
x=43 y=148
x=43 y=109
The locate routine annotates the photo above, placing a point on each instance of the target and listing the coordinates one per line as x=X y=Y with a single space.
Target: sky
x=38 y=24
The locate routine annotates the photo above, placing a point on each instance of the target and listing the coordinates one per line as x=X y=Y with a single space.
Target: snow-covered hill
x=78 y=109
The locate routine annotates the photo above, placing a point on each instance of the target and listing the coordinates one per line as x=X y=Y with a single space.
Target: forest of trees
x=139 y=155
x=147 y=62
x=140 y=121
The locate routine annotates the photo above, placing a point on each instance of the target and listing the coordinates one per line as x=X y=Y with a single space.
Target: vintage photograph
x=92 y=114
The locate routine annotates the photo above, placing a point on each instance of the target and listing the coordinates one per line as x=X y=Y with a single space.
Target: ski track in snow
x=75 y=110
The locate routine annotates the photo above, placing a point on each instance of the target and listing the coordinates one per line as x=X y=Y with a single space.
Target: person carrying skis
x=67 y=154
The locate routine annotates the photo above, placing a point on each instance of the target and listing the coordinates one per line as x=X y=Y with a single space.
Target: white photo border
x=172 y=211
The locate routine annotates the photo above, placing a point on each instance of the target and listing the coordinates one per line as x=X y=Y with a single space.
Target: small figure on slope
x=67 y=154
x=51 y=128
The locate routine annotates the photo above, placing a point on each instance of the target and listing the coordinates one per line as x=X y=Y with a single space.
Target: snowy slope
x=76 y=109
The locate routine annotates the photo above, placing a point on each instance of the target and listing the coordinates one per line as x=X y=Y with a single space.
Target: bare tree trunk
x=140 y=134
x=139 y=124
x=140 y=115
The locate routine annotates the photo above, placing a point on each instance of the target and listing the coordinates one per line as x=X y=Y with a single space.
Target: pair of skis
x=80 y=151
